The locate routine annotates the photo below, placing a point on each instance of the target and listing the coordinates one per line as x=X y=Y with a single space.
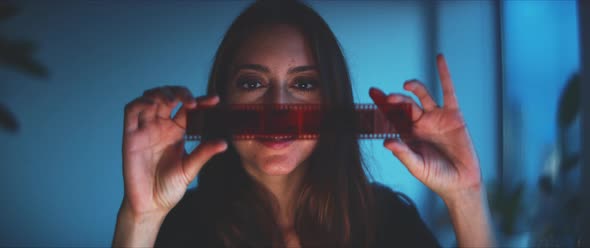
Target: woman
x=289 y=193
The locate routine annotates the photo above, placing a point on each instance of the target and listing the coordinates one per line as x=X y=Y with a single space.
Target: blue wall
x=61 y=180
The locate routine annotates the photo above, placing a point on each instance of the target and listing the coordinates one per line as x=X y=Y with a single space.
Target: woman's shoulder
x=184 y=224
x=394 y=207
x=384 y=195
x=187 y=207
x=398 y=220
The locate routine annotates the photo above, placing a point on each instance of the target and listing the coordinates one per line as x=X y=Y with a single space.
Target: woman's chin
x=277 y=165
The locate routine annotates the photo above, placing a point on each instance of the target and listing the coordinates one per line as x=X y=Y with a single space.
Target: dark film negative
x=299 y=121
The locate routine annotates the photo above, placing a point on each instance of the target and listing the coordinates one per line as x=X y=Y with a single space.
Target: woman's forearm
x=471 y=218
x=137 y=231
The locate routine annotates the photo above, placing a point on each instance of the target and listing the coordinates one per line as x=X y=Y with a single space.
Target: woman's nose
x=277 y=95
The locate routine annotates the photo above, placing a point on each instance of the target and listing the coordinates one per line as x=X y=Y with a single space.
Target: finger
x=171 y=100
x=159 y=96
x=396 y=114
x=147 y=115
x=198 y=157
x=378 y=96
x=411 y=160
x=395 y=98
x=421 y=92
x=132 y=111
x=168 y=97
x=202 y=102
x=449 y=97
x=207 y=101
x=184 y=95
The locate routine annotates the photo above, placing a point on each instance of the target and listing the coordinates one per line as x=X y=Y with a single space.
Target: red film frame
x=300 y=121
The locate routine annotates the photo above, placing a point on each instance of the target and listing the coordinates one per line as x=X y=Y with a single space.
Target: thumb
x=198 y=157
x=411 y=160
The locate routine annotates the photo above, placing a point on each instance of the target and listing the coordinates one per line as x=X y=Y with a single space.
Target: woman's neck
x=285 y=189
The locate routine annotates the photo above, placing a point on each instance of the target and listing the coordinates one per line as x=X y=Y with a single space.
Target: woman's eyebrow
x=303 y=68
x=264 y=69
x=255 y=67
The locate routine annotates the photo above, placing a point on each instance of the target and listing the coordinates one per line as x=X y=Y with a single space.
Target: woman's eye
x=305 y=84
x=249 y=84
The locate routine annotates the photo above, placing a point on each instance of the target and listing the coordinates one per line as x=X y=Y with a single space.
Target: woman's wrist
x=130 y=213
x=474 y=194
x=141 y=218
x=135 y=229
x=471 y=218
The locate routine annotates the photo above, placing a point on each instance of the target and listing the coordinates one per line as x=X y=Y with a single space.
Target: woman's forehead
x=276 y=46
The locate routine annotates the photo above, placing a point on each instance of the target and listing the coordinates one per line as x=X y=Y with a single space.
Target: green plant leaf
x=569 y=102
x=8 y=120
x=7 y=10
x=19 y=55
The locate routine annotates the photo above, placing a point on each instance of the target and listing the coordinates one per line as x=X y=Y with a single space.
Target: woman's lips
x=276 y=143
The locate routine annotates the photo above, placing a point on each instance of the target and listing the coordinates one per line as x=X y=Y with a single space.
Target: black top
x=399 y=223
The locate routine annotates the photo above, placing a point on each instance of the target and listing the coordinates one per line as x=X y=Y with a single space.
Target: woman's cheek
x=306 y=147
x=242 y=145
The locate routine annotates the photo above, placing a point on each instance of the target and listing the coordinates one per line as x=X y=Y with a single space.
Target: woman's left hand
x=438 y=151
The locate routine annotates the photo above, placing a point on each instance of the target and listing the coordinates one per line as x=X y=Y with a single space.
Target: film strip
x=299 y=121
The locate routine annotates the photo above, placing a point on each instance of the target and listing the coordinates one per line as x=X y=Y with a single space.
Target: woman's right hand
x=156 y=168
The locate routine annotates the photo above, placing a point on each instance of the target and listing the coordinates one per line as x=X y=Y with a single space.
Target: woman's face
x=274 y=65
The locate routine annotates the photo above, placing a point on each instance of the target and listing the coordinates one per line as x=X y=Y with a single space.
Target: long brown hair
x=335 y=205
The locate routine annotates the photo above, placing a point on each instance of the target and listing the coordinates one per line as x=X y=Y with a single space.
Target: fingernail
x=190 y=99
x=387 y=142
x=408 y=85
x=390 y=143
x=373 y=92
x=222 y=142
x=393 y=99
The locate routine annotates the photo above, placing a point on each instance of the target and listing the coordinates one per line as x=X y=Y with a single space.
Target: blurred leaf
x=570 y=162
x=19 y=55
x=545 y=184
x=8 y=120
x=7 y=10
x=569 y=102
x=507 y=204
x=573 y=206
